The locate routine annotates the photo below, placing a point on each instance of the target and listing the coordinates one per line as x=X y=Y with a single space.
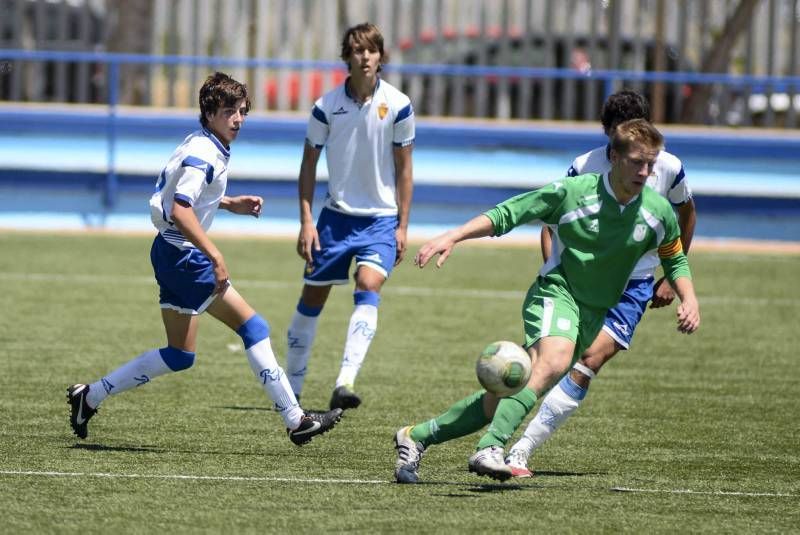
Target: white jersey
x=668 y=179
x=197 y=173
x=359 y=141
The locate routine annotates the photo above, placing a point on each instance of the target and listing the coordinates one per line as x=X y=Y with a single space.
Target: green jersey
x=597 y=241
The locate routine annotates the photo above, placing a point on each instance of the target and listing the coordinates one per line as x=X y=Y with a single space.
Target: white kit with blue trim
x=361 y=182
x=197 y=173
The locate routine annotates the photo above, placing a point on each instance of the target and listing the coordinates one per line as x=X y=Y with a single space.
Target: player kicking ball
x=191 y=272
x=605 y=223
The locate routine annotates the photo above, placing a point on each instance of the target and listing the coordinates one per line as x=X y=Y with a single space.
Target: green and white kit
x=596 y=244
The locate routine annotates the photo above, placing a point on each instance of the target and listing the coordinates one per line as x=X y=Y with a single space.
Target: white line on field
x=705 y=492
x=193 y=477
x=187 y=477
x=416 y=291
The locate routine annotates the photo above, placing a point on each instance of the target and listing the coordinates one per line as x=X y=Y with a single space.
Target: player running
x=605 y=223
x=669 y=180
x=191 y=272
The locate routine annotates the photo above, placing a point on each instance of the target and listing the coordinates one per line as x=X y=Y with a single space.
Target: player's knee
x=596 y=356
x=176 y=359
x=366 y=297
x=253 y=331
x=314 y=296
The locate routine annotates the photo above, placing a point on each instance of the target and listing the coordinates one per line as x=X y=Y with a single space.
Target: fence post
x=111 y=185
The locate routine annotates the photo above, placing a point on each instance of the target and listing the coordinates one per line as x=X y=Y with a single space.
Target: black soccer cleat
x=80 y=411
x=344 y=398
x=313 y=424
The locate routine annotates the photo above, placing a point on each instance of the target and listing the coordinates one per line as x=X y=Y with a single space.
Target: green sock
x=508 y=416
x=464 y=417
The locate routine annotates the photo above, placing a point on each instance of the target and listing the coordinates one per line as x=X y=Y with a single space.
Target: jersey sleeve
x=404 y=127
x=679 y=192
x=541 y=204
x=677 y=188
x=318 y=126
x=670 y=250
x=194 y=175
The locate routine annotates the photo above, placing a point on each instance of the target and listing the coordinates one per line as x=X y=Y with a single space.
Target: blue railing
x=608 y=77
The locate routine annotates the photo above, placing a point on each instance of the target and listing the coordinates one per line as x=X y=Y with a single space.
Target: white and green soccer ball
x=503 y=368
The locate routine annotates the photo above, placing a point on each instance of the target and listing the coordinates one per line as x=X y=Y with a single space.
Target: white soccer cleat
x=489 y=462
x=409 y=453
x=517 y=461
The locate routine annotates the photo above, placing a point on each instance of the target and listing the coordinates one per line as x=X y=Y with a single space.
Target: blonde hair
x=636 y=132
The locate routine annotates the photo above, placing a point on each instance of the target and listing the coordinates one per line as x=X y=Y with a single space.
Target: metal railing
x=610 y=80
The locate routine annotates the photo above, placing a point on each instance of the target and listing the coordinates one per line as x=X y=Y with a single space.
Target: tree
x=718 y=58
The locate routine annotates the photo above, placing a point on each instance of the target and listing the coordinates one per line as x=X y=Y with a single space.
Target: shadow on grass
x=240 y=408
x=266 y=409
x=545 y=473
x=132 y=449
x=154 y=449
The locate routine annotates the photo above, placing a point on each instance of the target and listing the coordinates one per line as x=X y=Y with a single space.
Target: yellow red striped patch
x=670 y=249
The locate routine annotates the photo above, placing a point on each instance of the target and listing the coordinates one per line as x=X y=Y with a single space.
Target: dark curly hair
x=623 y=106
x=220 y=91
x=367 y=35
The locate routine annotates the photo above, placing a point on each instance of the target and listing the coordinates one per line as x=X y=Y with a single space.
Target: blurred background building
x=525 y=59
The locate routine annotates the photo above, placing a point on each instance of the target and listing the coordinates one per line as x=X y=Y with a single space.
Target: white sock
x=300 y=334
x=141 y=370
x=363 y=324
x=276 y=384
x=558 y=405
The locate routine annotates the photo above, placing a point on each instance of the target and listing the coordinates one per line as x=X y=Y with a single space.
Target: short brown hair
x=636 y=131
x=366 y=34
x=220 y=91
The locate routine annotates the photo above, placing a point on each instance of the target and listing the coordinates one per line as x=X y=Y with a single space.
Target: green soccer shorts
x=550 y=310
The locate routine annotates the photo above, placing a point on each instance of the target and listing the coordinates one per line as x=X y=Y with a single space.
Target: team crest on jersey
x=383 y=109
x=594 y=225
x=639 y=232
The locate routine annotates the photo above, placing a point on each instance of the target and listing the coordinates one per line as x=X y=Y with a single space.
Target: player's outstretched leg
x=313 y=424
x=409 y=454
x=561 y=402
x=80 y=411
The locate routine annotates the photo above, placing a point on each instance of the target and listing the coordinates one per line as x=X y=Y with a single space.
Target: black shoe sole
x=497 y=476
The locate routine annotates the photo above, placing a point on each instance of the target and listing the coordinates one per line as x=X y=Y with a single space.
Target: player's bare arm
x=477 y=227
x=663 y=294
x=243 y=204
x=405 y=190
x=546 y=243
x=308 y=239
x=688 y=311
x=186 y=221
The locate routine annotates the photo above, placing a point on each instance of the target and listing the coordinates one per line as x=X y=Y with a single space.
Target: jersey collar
x=226 y=151
x=610 y=191
x=350 y=95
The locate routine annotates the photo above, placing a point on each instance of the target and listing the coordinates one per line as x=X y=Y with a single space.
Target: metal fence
x=725 y=62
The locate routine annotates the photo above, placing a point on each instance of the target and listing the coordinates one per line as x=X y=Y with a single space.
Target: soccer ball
x=503 y=368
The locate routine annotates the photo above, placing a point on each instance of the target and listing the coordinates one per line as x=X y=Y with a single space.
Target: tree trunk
x=131 y=33
x=718 y=58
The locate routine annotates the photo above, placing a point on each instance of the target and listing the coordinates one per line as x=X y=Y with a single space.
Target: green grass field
x=702 y=429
